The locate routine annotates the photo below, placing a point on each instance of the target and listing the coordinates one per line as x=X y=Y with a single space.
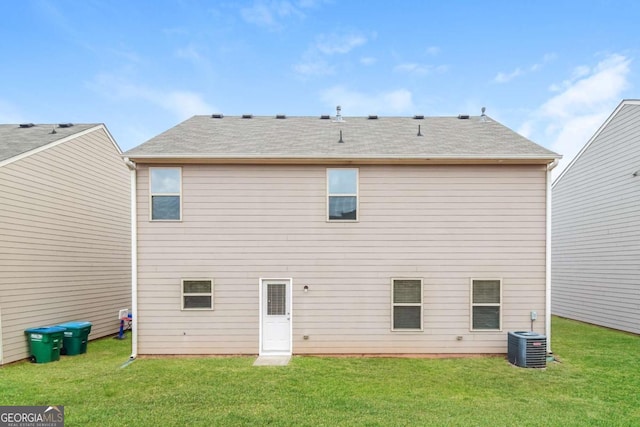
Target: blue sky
x=551 y=70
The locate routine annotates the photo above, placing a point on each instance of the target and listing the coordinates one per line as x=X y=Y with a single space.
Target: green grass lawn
x=596 y=382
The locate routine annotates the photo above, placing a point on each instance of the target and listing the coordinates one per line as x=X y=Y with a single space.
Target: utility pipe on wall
x=548 y=257
x=134 y=260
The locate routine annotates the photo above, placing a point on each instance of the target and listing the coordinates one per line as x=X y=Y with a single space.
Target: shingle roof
x=314 y=138
x=16 y=140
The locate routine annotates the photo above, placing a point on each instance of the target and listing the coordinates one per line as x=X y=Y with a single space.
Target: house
x=64 y=231
x=338 y=235
x=596 y=227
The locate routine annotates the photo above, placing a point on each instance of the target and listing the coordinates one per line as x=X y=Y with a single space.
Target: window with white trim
x=486 y=304
x=165 y=192
x=197 y=294
x=342 y=194
x=407 y=304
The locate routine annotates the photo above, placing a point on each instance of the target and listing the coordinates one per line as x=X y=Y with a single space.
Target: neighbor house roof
x=304 y=139
x=16 y=140
x=625 y=103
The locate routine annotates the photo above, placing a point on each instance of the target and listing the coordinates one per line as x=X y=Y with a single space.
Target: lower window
x=407 y=304
x=197 y=294
x=486 y=304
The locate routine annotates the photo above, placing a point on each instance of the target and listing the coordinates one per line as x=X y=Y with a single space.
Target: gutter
x=323 y=159
x=548 y=257
x=134 y=260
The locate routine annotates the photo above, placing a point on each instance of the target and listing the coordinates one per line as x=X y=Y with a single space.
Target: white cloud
x=548 y=57
x=507 y=77
x=190 y=52
x=433 y=50
x=358 y=103
x=419 y=69
x=314 y=61
x=503 y=77
x=368 y=60
x=594 y=89
x=569 y=119
x=329 y=44
x=272 y=14
x=308 y=4
x=181 y=103
x=314 y=68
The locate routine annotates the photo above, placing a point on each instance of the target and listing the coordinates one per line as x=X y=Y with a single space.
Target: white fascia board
x=323 y=159
x=113 y=141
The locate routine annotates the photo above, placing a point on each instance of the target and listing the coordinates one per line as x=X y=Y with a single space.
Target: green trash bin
x=45 y=343
x=76 y=336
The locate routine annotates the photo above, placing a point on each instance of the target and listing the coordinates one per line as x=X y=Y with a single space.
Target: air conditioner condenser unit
x=527 y=349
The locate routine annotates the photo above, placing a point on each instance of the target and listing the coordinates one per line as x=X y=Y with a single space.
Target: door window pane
x=276 y=299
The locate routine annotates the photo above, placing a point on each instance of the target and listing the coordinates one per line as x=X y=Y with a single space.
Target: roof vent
x=418 y=117
x=483 y=116
x=463 y=116
x=53 y=131
x=26 y=125
x=247 y=116
x=325 y=117
x=341 y=140
x=373 y=117
x=217 y=116
x=65 y=125
x=419 y=133
x=338 y=114
x=280 y=116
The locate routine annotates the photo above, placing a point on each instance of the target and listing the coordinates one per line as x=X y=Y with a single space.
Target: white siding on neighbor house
x=64 y=240
x=596 y=229
x=444 y=224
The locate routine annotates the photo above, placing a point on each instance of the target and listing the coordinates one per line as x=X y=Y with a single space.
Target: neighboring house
x=65 y=242
x=319 y=235
x=596 y=227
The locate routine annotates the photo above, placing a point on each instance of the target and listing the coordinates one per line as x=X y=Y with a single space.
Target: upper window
x=407 y=304
x=486 y=304
x=342 y=193
x=166 y=189
x=197 y=294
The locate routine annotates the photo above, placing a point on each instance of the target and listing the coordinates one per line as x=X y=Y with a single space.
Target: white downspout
x=548 y=257
x=134 y=261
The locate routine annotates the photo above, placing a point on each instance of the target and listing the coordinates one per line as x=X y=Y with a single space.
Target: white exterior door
x=275 y=308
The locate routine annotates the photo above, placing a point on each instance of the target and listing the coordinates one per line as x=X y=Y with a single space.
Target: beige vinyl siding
x=596 y=229
x=443 y=224
x=64 y=240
